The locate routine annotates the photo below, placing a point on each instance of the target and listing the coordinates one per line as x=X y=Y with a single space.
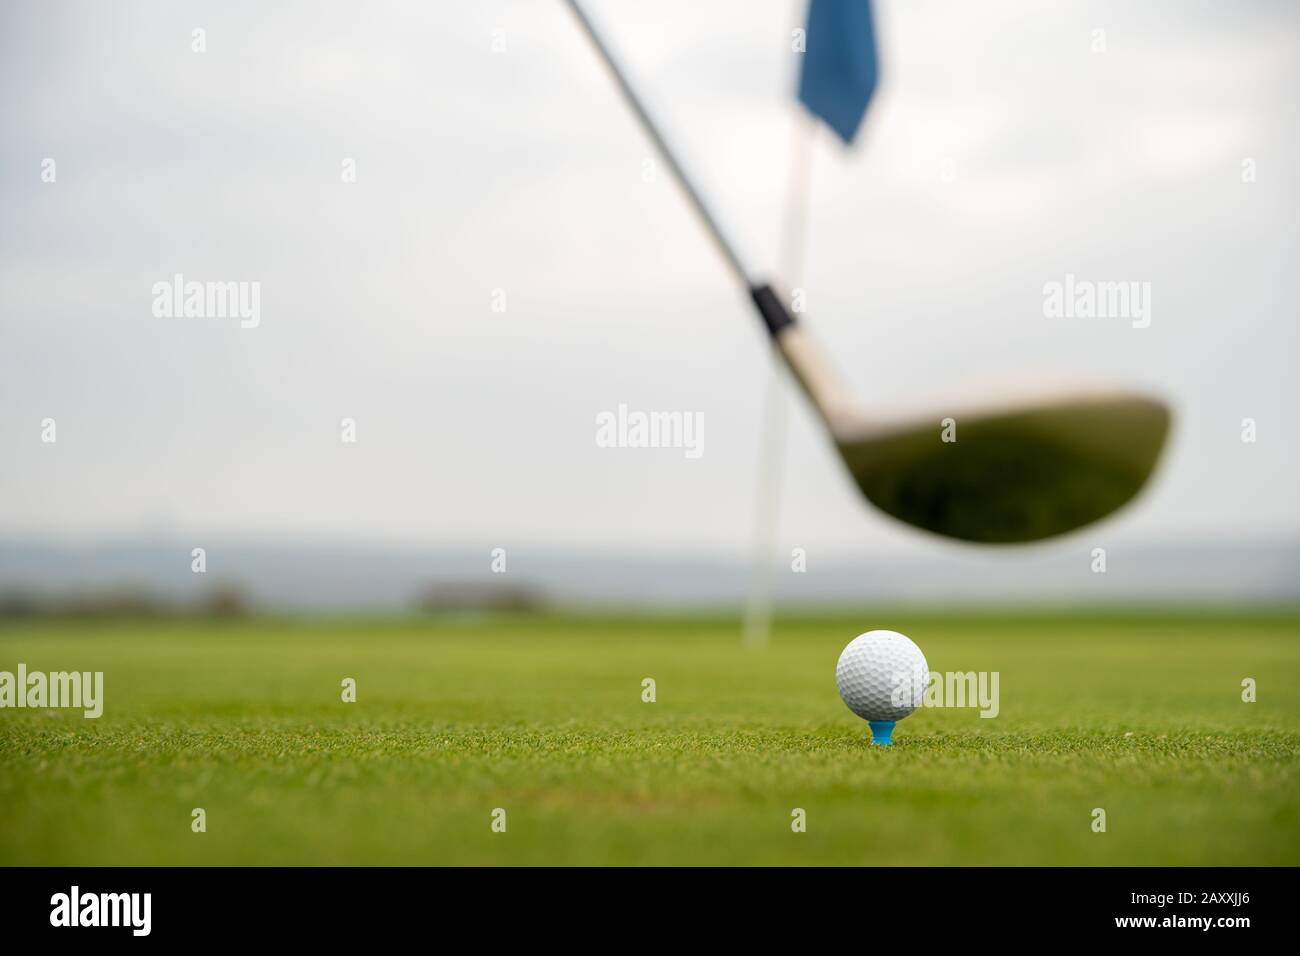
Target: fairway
x=542 y=715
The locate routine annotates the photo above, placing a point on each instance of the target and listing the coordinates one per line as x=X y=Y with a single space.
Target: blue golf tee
x=882 y=732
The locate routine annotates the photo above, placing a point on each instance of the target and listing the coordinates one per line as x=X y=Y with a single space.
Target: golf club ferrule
x=775 y=315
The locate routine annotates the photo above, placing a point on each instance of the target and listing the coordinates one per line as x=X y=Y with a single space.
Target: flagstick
x=757 y=626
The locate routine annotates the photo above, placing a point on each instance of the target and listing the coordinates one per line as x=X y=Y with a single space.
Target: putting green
x=542 y=716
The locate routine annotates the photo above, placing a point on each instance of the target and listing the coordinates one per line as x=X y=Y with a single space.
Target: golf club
x=1015 y=468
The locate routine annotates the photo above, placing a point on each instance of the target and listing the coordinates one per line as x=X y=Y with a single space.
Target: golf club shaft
x=724 y=244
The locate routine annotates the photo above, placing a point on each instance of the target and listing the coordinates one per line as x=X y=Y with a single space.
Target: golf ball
x=881 y=675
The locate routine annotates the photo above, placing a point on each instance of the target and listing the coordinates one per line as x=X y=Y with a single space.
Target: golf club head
x=1020 y=470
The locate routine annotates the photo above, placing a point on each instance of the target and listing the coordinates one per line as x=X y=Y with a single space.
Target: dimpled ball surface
x=872 y=667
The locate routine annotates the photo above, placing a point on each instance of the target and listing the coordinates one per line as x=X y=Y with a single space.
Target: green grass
x=542 y=715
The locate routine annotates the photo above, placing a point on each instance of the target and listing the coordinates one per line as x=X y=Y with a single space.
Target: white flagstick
x=771 y=459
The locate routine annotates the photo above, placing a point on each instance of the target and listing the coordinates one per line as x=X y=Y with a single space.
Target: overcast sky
x=1002 y=153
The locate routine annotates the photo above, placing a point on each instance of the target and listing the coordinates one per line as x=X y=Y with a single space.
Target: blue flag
x=839 y=64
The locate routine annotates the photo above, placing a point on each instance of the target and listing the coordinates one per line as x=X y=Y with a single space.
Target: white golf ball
x=881 y=675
